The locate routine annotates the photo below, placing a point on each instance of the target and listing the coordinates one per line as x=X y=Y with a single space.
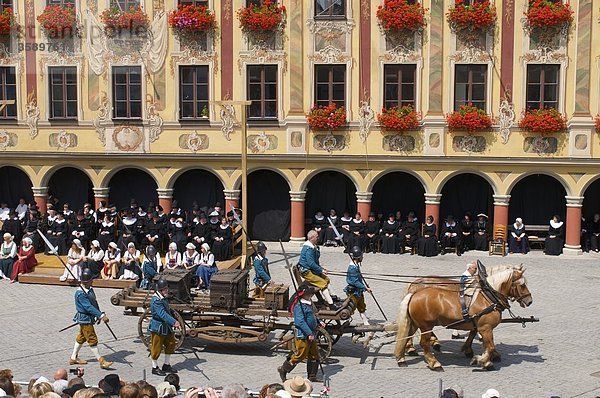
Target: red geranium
x=399 y=119
x=395 y=15
x=7 y=21
x=469 y=118
x=191 y=18
x=58 y=21
x=548 y=14
x=328 y=117
x=135 y=21
x=478 y=15
x=263 y=18
x=598 y=123
x=547 y=120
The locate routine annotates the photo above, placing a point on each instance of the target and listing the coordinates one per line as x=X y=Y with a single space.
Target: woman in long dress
x=517 y=239
x=222 y=242
x=207 y=267
x=26 y=260
x=556 y=237
x=75 y=259
x=427 y=245
x=106 y=231
x=93 y=259
x=481 y=236
x=131 y=263
x=8 y=253
x=389 y=235
x=112 y=258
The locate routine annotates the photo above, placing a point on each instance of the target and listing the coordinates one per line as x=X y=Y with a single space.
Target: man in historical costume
x=372 y=229
x=319 y=224
x=306 y=324
x=161 y=328
x=466 y=228
x=262 y=276
x=150 y=267
x=345 y=221
x=356 y=288
x=58 y=233
x=410 y=232
x=468 y=284
x=449 y=235
x=311 y=270
x=21 y=208
x=201 y=232
x=81 y=229
x=88 y=313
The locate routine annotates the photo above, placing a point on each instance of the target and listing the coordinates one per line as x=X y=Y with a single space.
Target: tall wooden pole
x=244 y=186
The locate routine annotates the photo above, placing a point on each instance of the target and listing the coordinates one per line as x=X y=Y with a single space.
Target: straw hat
x=298 y=386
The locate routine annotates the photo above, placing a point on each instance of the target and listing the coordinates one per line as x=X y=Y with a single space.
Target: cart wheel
x=335 y=329
x=324 y=341
x=144 y=334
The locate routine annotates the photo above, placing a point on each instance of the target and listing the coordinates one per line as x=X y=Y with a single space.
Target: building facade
x=97 y=117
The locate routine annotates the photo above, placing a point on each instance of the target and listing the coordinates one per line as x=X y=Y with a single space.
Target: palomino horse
x=431 y=306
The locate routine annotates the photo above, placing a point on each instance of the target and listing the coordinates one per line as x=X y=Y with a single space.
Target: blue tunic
x=354 y=281
x=149 y=269
x=86 y=305
x=261 y=270
x=309 y=260
x=305 y=320
x=162 y=321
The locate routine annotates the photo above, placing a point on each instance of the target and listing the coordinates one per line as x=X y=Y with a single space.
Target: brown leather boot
x=77 y=361
x=284 y=369
x=104 y=364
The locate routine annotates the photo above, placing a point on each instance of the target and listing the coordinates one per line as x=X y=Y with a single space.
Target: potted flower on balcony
x=58 y=22
x=330 y=117
x=548 y=18
x=469 y=118
x=263 y=19
x=400 y=17
x=399 y=118
x=133 y=22
x=189 y=21
x=470 y=21
x=8 y=22
x=543 y=120
x=597 y=120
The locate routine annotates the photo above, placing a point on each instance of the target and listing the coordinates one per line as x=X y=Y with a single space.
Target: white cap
x=283 y=394
x=491 y=393
x=190 y=246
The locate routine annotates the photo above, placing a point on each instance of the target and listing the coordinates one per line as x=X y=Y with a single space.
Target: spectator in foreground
x=298 y=387
x=491 y=393
x=234 y=391
x=26 y=261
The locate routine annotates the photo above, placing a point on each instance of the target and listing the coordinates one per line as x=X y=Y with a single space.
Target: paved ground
x=555 y=357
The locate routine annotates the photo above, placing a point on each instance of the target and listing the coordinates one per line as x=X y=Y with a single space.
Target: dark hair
x=449 y=393
x=7 y=385
x=173 y=380
x=148 y=391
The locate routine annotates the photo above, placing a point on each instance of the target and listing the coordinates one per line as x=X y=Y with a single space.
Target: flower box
x=328 y=117
x=469 y=20
x=191 y=20
x=268 y=17
x=399 y=118
x=597 y=120
x=134 y=21
x=7 y=22
x=58 y=22
x=469 y=118
x=547 y=120
x=398 y=15
x=544 y=14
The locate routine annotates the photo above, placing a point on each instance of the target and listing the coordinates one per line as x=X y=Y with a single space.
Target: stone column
x=232 y=198
x=40 y=196
x=165 y=199
x=573 y=225
x=297 y=207
x=363 y=203
x=432 y=208
x=501 y=209
x=101 y=194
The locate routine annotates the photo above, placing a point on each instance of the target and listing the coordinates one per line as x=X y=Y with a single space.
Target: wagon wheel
x=324 y=341
x=335 y=329
x=144 y=334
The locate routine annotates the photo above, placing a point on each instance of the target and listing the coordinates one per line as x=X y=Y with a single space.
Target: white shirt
x=13 y=249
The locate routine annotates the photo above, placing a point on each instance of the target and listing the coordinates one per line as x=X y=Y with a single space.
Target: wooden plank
x=53 y=279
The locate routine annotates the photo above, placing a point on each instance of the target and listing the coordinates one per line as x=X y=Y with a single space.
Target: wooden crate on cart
x=229 y=288
x=277 y=296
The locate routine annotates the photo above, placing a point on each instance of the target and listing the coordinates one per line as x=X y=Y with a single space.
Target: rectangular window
x=253 y=2
x=262 y=91
x=194 y=3
x=193 y=92
x=471 y=2
x=127 y=92
x=330 y=9
x=6 y=4
x=8 y=92
x=125 y=4
x=470 y=86
x=330 y=84
x=61 y=3
x=399 y=86
x=63 y=92
x=542 y=86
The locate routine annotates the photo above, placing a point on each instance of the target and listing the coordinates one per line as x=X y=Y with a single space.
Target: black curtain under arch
x=327 y=190
x=398 y=191
x=71 y=185
x=130 y=184
x=591 y=200
x=467 y=193
x=269 y=208
x=200 y=186
x=536 y=198
x=14 y=184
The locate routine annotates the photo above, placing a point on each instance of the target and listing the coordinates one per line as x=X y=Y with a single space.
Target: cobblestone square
x=556 y=356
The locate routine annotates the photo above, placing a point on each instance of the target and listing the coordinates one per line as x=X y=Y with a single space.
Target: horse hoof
x=402 y=364
x=437 y=347
x=469 y=354
x=437 y=368
x=496 y=358
x=412 y=353
x=490 y=367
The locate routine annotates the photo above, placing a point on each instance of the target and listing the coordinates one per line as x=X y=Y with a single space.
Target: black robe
x=127 y=232
x=14 y=227
x=389 y=237
x=154 y=229
x=330 y=237
x=554 y=246
x=345 y=231
x=357 y=234
x=427 y=244
x=450 y=240
x=202 y=231
x=320 y=226
x=409 y=228
x=372 y=235
x=515 y=246
x=481 y=236
x=106 y=234
x=58 y=235
x=466 y=234
x=222 y=249
x=595 y=235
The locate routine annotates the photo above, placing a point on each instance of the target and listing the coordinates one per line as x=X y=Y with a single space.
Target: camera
x=78 y=372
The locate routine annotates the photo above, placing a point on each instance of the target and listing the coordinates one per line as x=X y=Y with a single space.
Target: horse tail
x=403 y=324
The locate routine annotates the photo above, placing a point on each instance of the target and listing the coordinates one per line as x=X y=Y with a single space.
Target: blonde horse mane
x=499 y=274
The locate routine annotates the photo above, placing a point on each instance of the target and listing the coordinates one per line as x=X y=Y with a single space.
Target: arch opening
x=199 y=186
x=128 y=184
x=536 y=198
x=399 y=191
x=70 y=185
x=14 y=184
x=464 y=193
x=330 y=190
x=269 y=207
x=591 y=200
